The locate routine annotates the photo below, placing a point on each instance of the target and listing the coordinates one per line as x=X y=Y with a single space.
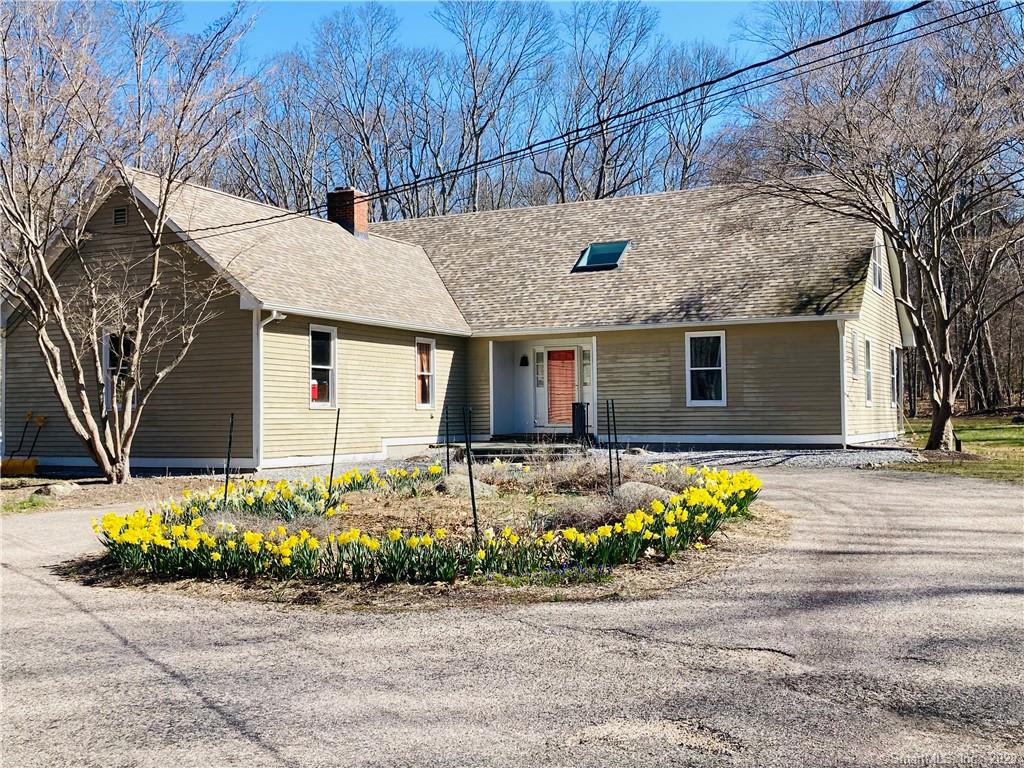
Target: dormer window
x=598 y=256
x=120 y=216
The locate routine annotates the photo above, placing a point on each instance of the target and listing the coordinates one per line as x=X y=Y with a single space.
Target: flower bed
x=177 y=541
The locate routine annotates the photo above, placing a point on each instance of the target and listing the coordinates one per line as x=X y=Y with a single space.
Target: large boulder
x=458 y=485
x=58 y=490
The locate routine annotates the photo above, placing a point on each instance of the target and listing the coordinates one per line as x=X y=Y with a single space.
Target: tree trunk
x=121 y=472
x=940 y=437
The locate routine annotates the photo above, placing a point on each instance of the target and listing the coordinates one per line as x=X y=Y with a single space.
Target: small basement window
x=120 y=216
x=598 y=256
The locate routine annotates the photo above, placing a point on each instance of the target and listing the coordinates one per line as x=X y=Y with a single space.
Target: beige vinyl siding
x=878 y=322
x=781 y=379
x=187 y=416
x=478 y=377
x=376 y=376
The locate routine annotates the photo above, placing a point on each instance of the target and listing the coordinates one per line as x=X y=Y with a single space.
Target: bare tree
x=924 y=140
x=611 y=66
x=685 y=150
x=111 y=335
x=282 y=157
x=503 y=44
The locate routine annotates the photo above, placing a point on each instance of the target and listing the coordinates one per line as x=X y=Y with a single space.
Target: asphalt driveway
x=888 y=631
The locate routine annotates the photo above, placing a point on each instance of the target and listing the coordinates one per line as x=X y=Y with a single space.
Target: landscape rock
x=458 y=485
x=58 y=490
x=1018 y=419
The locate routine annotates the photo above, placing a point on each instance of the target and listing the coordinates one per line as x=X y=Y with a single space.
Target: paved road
x=888 y=630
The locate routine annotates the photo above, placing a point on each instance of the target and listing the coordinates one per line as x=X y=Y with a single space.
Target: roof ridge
x=592 y=201
x=300 y=214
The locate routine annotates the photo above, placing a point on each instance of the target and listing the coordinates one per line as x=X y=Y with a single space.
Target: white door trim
x=547 y=382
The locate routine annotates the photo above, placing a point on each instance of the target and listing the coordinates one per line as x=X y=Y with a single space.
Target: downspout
x=257 y=384
x=842 y=378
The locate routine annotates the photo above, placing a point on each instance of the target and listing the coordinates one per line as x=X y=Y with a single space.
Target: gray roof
x=312 y=266
x=702 y=255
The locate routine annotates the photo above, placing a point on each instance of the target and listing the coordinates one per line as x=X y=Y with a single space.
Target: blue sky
x=284 y=24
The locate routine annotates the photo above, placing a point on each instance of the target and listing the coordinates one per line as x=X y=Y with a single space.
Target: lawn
x=993 y=448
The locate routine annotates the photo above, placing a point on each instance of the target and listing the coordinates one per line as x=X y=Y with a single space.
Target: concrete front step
x=515 y=452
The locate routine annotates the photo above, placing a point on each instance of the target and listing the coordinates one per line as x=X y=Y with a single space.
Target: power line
x=539 y=147
x=792 y=73
x=512 y=154
x=536 y=148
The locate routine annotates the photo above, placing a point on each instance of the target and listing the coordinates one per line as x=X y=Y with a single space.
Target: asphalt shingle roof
x=710 y=254
x=308 y=263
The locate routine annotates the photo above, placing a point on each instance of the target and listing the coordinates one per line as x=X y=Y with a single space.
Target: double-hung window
x=868 y=372
x=877 y=267
x=425 y=373
x=117 y=366
x=323 y=374
x=894 y=377
x=705 y=368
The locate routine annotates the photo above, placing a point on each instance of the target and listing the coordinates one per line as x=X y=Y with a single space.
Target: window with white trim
x=705 y=368
x=117 y=354
x=323 y=374
x=855 y=357
x=877 y=265
x=425 y=354
x=894 y=377
x=868 y=372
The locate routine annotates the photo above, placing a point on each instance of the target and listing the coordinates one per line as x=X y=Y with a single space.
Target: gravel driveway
x=887 y=631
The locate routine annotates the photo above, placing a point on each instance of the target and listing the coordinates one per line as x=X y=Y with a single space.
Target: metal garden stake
x=334 y=452
x=227 y=464
x=608 y=424
x=467 y=413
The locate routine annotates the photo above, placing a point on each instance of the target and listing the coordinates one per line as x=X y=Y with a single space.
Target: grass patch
x=993 y=449
x=31 y=503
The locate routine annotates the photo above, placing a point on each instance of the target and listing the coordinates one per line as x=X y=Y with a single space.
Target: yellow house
x=708 y=316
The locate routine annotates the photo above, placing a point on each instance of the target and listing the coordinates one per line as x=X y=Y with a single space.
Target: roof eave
x=344 y=317
x=651 y=326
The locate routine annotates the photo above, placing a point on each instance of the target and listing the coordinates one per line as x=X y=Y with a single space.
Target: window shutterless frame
x=894 y=377
x=869 y=374
x=425 y=373
x=108 y=374
x=877 y=265
x=323 y=371
x=705 y=369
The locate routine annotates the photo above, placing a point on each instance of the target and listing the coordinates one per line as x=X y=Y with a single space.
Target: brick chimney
x=349 y=207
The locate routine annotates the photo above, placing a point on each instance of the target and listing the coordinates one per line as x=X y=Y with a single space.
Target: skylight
x=597 y=256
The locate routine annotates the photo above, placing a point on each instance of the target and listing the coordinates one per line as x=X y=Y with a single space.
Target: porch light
x=524 y=361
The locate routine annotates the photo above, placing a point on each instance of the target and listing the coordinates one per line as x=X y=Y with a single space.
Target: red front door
x=561 y=385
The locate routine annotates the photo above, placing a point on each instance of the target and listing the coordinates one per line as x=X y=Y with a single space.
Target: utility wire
x=540 y=147
x=511 y=154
